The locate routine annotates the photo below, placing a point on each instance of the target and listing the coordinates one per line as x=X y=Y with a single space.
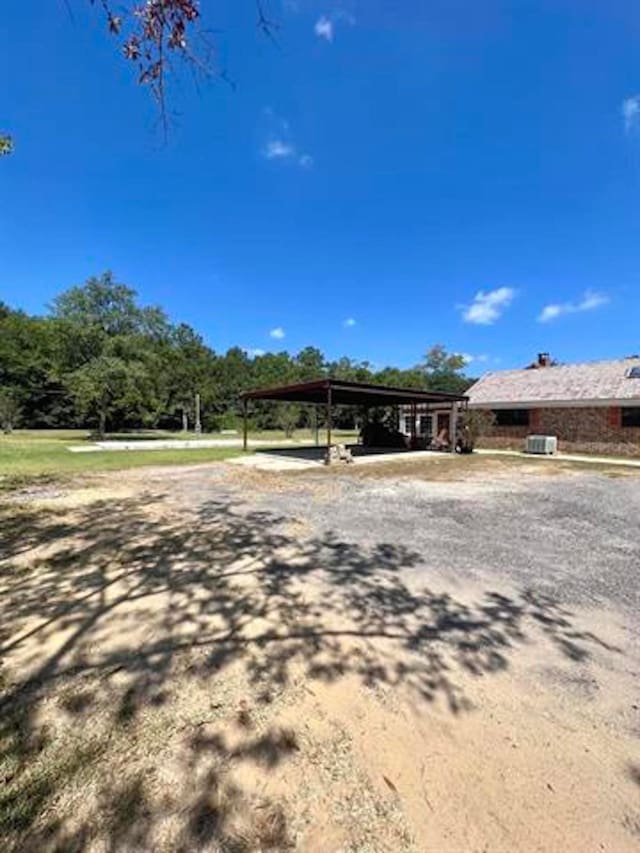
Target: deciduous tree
x=443 y=371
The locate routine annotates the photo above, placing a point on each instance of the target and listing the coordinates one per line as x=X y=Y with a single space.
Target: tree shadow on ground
x=121 y=591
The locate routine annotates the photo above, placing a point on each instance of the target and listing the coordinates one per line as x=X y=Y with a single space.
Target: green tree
x=233 y=373
x=100 y=355
x=399 y=378
x=106 y=308
x=288 y=416
x=107 y=384
x=310 y=364
x=350 y=371
x=443 y=371
x=111 y=352
x=28 y=355
x=188 y=368
x=273 y=369
x=269 y=370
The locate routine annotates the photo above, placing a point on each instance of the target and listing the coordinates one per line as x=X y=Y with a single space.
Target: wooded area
x=99 y=359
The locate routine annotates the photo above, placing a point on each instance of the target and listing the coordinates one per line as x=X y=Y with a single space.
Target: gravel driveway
x=438 y=655
x=573 y=534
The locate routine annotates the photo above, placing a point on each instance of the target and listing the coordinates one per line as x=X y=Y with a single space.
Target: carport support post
x=329 y=424
x=244 y=424
x=454 y=426
x=414 y=418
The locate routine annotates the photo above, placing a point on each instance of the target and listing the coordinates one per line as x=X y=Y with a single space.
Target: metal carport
x=335 y=392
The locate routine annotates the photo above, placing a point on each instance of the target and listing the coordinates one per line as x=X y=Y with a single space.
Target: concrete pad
x=288 y=461
x=167 y=444
x=566 y=457
x=268 y=462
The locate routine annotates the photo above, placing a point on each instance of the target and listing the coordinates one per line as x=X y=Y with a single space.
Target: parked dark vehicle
x=379 y=435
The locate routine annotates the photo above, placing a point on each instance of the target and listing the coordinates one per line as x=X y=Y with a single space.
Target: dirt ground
x=419 y=657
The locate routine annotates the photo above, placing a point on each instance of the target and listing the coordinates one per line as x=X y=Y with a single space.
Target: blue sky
x=395 y=173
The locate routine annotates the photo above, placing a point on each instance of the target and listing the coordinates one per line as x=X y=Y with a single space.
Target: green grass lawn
x=27 y=454
x=24 y=456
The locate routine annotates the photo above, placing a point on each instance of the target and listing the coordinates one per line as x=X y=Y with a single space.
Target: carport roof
x=350 y=394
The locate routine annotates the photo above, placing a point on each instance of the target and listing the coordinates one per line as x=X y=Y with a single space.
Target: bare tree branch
x=152 y=32
x=266 y=25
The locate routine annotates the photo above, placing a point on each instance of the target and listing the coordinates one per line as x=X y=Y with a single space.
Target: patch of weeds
x=33 y=771
x=127 y=814
x=29 y=793
x=270 y=831
x=18 y=741
x=128 y=706
x=211 y=811
x=270 y=749
x=77 y=702
x=243 y=717
x=23 y=482
x=134 y=698
x=222 y=816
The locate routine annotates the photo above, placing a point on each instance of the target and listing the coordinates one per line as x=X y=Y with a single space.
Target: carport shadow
x=226 y=587
x=317 y=453
x=307 y=453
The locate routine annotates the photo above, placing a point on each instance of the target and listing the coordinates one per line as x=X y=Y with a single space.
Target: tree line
x=98 y=359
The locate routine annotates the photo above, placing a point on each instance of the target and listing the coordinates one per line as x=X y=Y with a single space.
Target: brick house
x=591 y=407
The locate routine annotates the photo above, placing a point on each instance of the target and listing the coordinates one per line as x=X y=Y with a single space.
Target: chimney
x=544 y=359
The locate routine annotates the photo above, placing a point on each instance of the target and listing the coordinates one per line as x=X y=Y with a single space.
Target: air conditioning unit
x=547 y=445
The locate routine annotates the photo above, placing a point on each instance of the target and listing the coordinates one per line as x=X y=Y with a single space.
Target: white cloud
x=278 y=333
x=473 y=359
x=280 y=145
x=349 y=323
x=254 y=352
x=277 y=149
x=488 y=307
x=631 y=112
x=550 y=312
x=324 y=28
x=589 y=302
x=592 y=300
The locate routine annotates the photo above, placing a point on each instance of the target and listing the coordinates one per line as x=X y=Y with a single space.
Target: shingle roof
x=598 y=381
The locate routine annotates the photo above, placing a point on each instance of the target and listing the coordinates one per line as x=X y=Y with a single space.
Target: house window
x=409 y=424
x=425 y=425
x=512 y=417
x=630 y=417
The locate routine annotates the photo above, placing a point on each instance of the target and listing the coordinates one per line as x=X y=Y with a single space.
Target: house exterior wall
x=421 y=412
x=596 y=429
